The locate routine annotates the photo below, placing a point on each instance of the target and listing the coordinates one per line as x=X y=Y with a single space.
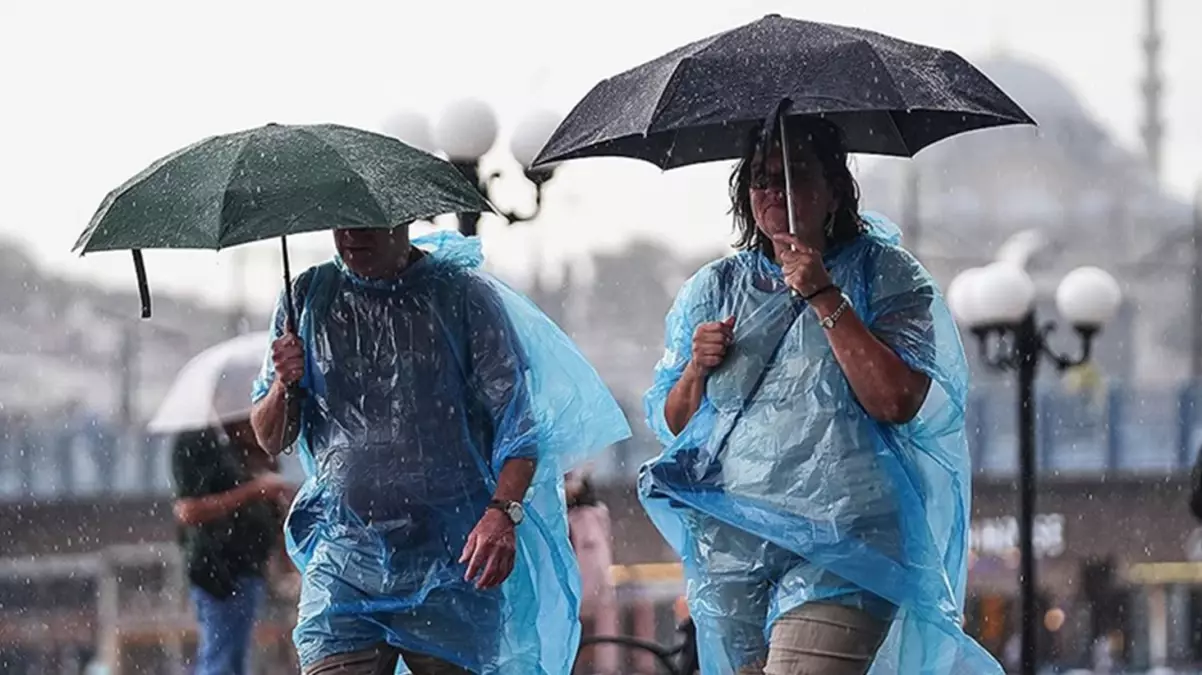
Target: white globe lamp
x=1004 y=293
x=466 y=130
x=531 y=135
x=411 y=128
x=1088 y=297
x=961 y=297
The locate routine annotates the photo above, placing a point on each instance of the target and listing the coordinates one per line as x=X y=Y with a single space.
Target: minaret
x=1152 y=87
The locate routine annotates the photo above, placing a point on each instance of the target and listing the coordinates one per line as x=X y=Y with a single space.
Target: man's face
x=373 y=253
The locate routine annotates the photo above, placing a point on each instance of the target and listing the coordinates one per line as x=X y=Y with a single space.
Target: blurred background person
x=589 y=529
x=229 y=499
x=229 y=514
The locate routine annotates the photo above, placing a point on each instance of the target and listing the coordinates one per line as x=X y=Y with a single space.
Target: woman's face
x=813 y=201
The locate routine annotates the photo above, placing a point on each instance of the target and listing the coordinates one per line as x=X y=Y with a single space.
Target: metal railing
x=126 y=608
x=1121 y=429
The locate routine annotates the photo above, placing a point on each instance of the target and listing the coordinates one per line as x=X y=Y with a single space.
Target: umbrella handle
x=294 y=394
x=289 y=306
x=788 y=168
x=788 y=171
x=143 y=285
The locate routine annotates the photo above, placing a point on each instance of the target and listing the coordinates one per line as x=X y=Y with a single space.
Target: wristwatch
x=512 y=510
x=828 y=321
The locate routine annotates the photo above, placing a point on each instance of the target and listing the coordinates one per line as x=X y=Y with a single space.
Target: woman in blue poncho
x=816 y=480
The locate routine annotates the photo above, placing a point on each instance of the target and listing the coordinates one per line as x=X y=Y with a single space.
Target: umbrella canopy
x=700 y=102
x=275 y=181
x=214 y=388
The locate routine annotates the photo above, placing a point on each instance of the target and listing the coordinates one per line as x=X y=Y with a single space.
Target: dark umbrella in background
x=702 y=102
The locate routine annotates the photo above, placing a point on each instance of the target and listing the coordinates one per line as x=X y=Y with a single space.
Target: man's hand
x=271 y=486
x=802 y=265
x=288 y=357
x=491 y=550
x=710 y=342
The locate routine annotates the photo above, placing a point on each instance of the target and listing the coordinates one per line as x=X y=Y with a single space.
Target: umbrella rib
x=674 y=80
x=901 y=137
x=669 y=90
x=858 y=34
x=889 y=112
x=225 y=193
x=112 y=197
x=142 y=177
x=367 y=184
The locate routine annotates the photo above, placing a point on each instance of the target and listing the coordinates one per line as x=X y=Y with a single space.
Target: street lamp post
x=465 y=132
x=997 y=303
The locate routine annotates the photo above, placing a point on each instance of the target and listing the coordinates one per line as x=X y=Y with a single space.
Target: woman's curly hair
x=825 y=142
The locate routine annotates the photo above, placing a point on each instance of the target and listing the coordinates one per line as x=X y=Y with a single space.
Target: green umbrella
x=270 y=182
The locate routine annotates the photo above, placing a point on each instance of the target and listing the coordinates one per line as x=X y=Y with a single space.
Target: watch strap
x=828 y=322
x=503 y=506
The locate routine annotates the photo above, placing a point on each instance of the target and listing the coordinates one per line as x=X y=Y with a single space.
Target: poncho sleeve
x=499 y=375
x=546 y=399
x=698 y=302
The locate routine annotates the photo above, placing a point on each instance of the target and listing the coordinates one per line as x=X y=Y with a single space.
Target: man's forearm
x=275 y=419
x=199 y=510
x=514 y=480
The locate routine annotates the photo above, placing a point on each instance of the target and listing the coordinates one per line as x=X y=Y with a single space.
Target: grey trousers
x=382 y=660
x=822 y=639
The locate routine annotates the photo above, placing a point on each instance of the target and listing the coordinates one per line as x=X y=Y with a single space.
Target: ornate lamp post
x=997 y=303
x=465 y=132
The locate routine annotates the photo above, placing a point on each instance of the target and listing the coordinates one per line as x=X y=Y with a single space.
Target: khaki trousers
x=822 y=639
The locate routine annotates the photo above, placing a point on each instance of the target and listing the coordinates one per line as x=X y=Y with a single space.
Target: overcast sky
x=94 y=91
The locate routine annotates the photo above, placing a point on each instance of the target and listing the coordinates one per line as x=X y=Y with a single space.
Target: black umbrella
x=700 y=102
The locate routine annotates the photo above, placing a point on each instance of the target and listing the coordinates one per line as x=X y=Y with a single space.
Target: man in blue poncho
x=435 y=427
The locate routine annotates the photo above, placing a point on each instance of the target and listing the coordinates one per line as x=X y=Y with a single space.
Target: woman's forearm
x=887 y=388
x=684 y=399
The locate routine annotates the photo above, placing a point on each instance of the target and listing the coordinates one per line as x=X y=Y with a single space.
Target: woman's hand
x=802 y=265
x=710 y=342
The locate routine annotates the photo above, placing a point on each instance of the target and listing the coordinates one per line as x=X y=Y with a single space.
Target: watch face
x=515 y=512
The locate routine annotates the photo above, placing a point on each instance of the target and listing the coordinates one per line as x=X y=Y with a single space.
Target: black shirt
x=219 y=552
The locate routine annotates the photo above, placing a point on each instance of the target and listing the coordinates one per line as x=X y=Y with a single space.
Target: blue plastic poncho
x=419 y=390
x=781 y=490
